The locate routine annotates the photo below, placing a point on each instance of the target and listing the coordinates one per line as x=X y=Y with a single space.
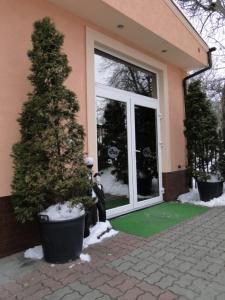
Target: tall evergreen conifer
x=48 y=160
x=201 y=132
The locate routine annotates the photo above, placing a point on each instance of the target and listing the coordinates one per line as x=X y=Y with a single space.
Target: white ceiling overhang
x=108 y=18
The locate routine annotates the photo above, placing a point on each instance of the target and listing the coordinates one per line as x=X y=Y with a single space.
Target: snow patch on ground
x=34 y=253
x=85 y=257
x=193 y=198
x=98 y=233
x=63 y=211
x=111 y=185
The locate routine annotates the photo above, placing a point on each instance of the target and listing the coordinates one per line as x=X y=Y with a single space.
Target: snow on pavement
x=192 y=197
x=34 y=253
x=85 y=257
x=98 y=233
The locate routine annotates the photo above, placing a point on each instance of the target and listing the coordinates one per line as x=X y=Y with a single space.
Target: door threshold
x=114 y=215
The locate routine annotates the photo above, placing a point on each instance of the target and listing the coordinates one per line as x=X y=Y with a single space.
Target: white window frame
x=96 y=40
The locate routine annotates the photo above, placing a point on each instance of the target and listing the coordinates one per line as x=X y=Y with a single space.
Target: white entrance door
x=129 y=157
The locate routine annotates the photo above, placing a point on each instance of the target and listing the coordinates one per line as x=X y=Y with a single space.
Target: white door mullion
x=159 y=151
x=130 y=153
x=132 y=149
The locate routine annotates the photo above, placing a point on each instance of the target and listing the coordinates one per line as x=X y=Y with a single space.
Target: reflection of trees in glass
x=114 y=134
x=145 y=128
x=129 y=78
x=125 y=76
x=112 y=131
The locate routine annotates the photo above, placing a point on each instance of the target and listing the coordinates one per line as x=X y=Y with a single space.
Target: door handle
x=137 y=150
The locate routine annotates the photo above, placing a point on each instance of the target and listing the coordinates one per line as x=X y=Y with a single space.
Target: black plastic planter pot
x=62 y=241
x=210 y=190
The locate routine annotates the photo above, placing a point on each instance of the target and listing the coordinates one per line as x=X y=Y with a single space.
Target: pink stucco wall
x=16 y=25
x=157 y=16
x=16 y=21
x=176 y=117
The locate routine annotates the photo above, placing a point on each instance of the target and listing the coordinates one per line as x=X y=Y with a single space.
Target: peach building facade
x=151 y=35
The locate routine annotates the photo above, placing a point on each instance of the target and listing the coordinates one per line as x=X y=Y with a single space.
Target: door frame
x=154 y=104
x=116 y=95
x=131 y=100
x=125 y=51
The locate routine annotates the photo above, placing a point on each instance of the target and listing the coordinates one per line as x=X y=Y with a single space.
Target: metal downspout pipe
x=209 y=54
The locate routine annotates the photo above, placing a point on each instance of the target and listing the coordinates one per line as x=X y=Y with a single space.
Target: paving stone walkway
x=184 y=262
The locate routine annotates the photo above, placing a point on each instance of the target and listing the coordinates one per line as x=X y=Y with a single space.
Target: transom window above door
x=115 y=72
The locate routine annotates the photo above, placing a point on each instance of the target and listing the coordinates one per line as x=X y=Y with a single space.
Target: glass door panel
x=112 y=150
x=147 y=176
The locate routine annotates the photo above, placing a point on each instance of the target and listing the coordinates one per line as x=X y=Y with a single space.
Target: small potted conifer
x=49 y=167
x=205 y=148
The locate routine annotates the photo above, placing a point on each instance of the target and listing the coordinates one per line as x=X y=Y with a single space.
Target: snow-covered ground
x=34 y=253
x=193 y=198
x=85 y=257
x=98 y=233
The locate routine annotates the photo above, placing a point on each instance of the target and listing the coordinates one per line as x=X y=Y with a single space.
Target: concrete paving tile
x=59 y=294
x=154 y=277
x=132 y=294
x=110 y=291
x=80 y=288
x=105 y=297
x=73 y=296
x=124 y=266
x=128 y=284
x=39 y=294
x=185 y=280
x=136 y=274
x=220 y=297
x=166 y=282
x=168 y=296
x=95 y=294
x=117 y=280
x=184 y=262
x=149 y=269
x=187 y=293
x=152 y=289
x=146 y=296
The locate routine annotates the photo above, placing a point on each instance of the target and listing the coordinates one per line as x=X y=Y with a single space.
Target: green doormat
x=155 y=219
